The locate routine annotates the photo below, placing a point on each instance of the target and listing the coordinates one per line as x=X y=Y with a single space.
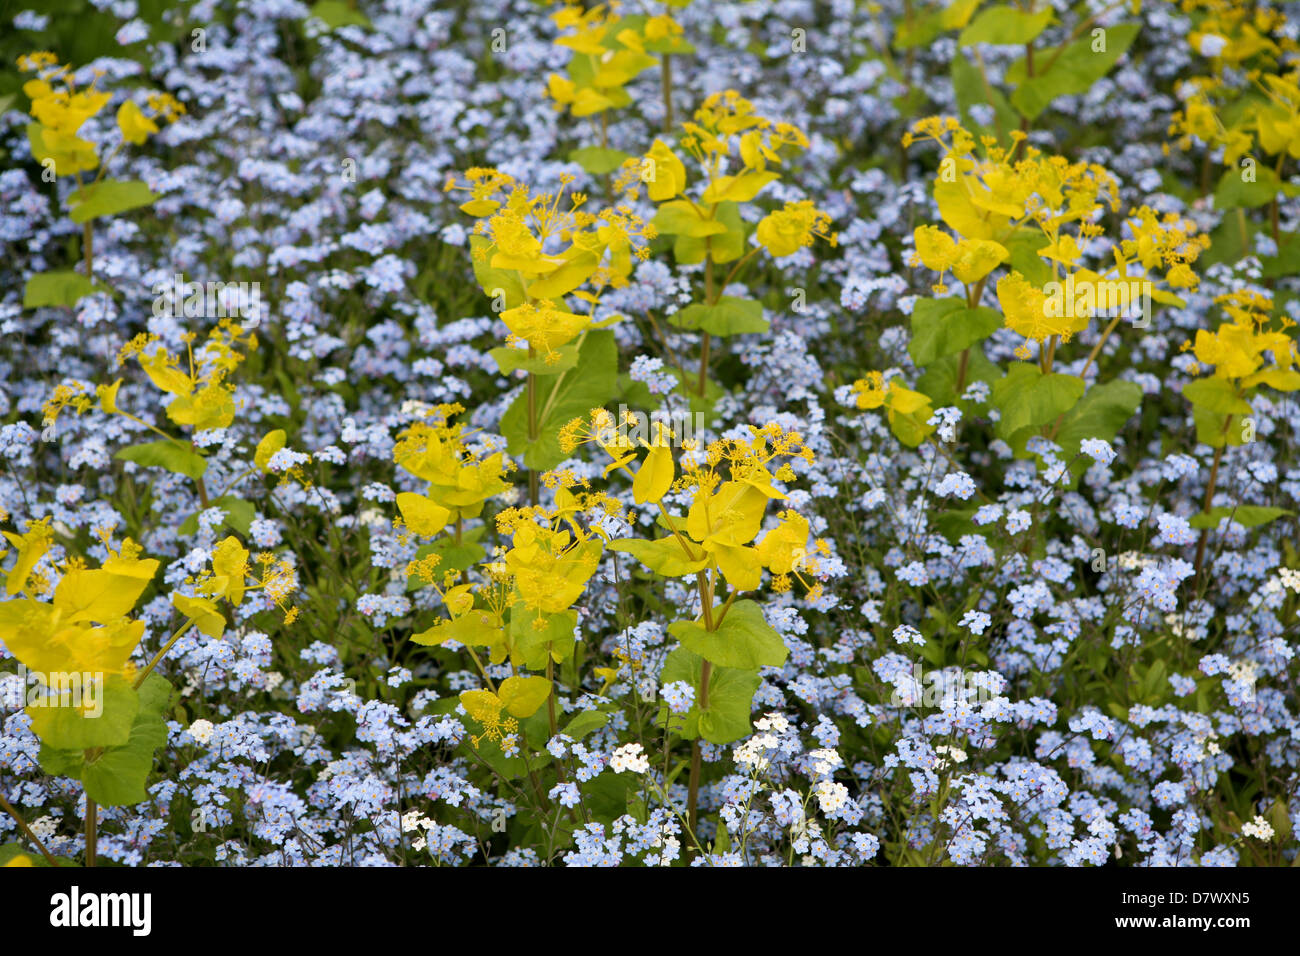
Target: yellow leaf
x=99 y=596
x=482 y=705
x=523 y=696
x=204 y=612
x=31 y=548
x=740 y=188
x=107 y=395
x=267 y=447
x=655 y=476
x=135 y=126
x=669 y=178
x=420 y=514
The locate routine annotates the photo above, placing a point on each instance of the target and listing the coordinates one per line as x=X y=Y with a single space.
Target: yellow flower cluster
x=609 y=50
x=727 y=126
x=60 y=110
x=459 y=480
x=1007 y=196
x=203 y=398
x=1239 y=348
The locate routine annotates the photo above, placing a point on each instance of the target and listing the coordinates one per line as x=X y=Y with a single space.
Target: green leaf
x=731 y=699
x=597 y=160
x=1023 y=246
x=1216 y=395
x=555 y=639
x=589 y=721
x=108 y=198
x=1074 y=72
x=724 y=246
x=1215 y=428
x=1005 y=26
x=166 y=454
x=65 y=288
x=1101 y=413
x=731 y=316
x=337 y=13
x=108 y=708
x=572 y=394
x=921 y=31
x=512 y=359
x=744 y=639
x=1288 y=254
x=945 y=327
x=11 y=850
x=1027 y=397
x=663 y=556
x=1234 y=192
x=939 y=380
x=239 y=515
x=1248 y=516
x=116 y=776
x=971 y=90
x=680 y=217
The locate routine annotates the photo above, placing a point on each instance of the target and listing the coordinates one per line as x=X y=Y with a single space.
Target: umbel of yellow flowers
x=726 y=513
x=1239 y=349
x=460 y=481
x=61 y=110
x=724 y=130
x=609 y=50
x=202 y=396
x=1001 y=198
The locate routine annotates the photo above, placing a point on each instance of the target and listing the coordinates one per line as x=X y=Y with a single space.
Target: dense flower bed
x=742 y=433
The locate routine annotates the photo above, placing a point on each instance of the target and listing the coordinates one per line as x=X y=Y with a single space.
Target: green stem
x=666 y=81
x=157 y=658
x=1209 y=499
x=88 y=244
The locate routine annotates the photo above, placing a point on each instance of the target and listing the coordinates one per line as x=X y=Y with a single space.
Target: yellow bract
x=63 y=635
x=60 y=110
x=1239 y=348
x=785 y=232
x=459 y=480
x=135 y=126
x=422 y=515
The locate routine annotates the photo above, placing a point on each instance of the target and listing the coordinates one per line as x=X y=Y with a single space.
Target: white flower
x=949 y=755
x=629 y=757
x=201 y=730
x=831 y=796
x=1258 y=828
x=824 y=762
x=773 y=721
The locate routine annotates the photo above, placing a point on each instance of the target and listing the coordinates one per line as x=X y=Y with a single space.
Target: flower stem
x=157 y=658
x=92 y=820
